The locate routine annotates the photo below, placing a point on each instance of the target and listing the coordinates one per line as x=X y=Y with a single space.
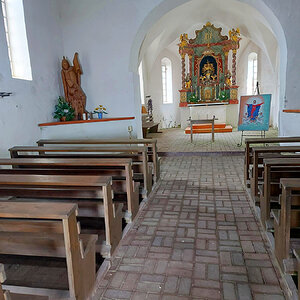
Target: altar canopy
x=208 y=78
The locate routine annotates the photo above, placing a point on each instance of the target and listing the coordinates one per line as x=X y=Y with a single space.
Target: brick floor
x=175 y=140
x=197 y=238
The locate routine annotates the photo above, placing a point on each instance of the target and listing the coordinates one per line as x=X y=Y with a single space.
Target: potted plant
x=100 y=110
x=63 y=110
x=193 y=98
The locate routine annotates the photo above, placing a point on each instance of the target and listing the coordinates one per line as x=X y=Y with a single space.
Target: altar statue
x=71 y=81
x=234 y=35
x=208 y=71
x=188 y=82
x=183 y=40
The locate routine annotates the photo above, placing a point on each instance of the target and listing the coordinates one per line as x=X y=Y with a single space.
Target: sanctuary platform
x=207 y=128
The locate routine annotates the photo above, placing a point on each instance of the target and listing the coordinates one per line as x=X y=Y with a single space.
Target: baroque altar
x=208 y=78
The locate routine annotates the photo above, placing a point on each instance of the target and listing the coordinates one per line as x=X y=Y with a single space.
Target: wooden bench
x=255 y=141
x=125 y=189
x=47 y=230
x=297 y=255
x=4 y=295
x=260 y=151
x=274 y=170
x=93 y=195
x=150 y=143
x=138 y=154
x=287 y=219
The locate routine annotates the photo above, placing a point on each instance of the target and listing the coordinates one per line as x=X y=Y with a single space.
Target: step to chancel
x=207 y=128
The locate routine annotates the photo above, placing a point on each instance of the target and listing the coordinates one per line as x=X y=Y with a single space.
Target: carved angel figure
x=234 y=34
x=183 y=40
x=71 y=81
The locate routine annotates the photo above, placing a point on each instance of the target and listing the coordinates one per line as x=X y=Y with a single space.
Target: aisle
x=196 y=239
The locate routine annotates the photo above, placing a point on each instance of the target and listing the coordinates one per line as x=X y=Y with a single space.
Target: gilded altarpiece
x=207 y=78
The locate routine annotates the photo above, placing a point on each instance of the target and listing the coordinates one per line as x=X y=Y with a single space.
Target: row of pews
x=272 y=174
x=63 y=207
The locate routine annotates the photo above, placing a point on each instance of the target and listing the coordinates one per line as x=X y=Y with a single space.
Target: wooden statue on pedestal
x=71 y=81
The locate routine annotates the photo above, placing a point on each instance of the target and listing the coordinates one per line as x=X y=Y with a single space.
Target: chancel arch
x=260 y=27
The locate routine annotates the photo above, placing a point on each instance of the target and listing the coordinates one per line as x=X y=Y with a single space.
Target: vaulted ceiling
x=194 y=14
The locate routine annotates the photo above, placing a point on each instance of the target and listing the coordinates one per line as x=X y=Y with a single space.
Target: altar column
x=226 y=61
x=191 y=64
x=234 y=67
x=183 y=70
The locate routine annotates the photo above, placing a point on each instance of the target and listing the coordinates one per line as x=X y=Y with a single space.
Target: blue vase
x=100 y=115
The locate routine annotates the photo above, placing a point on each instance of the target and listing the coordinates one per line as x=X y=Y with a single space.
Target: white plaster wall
x=109 y=36
x=32 y=102
x=168 y=115
x=103 y=32
x=266 y=77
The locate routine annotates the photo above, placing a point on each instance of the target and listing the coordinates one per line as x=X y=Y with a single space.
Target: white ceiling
x=222 y=13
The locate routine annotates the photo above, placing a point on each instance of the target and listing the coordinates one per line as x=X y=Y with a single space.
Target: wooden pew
x=4 y=295
x=260 y=151
x=47 y=230
x=287 y=219
x=274 y=170
x=137 y=153
x=150 y=143
x=297 y=255
x=125 y=189
x=255 y=141
x=93 y=195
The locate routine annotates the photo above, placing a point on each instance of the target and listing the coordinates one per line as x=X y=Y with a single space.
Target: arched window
x=16 y=37
x=252 y=73
x=166 y=75
x=141 y=83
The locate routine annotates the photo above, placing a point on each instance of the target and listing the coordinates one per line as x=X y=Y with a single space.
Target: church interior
x=149 y=150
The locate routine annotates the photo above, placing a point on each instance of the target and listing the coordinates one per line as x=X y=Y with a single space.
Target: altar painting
x=254 y=113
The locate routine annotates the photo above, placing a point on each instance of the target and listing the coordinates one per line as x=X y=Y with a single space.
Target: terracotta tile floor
x=175 y=140
x=197 y=238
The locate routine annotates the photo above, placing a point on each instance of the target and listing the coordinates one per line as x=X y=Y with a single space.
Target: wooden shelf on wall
x=294 y=111
x=86 y=121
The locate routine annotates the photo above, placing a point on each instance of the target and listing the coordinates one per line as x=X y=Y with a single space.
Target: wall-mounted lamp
x=4 y=94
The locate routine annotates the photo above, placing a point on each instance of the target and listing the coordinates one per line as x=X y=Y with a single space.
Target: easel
x=263 y=132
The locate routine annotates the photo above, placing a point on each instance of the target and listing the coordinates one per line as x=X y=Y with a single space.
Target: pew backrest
x=44 y=229
x=255 y=141
x=117 y=168
x=151 y=143
x=256 y=151
x=137 y=153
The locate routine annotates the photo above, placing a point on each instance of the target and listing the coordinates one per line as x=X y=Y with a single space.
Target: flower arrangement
x=100 y=109
x=63 y=110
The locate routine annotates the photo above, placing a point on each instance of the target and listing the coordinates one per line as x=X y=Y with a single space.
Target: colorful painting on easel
x=254 y=113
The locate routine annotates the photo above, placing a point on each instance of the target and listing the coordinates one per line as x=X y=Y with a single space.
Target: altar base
x=226 y=114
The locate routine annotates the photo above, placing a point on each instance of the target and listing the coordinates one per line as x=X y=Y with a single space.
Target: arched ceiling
x=222 y=13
